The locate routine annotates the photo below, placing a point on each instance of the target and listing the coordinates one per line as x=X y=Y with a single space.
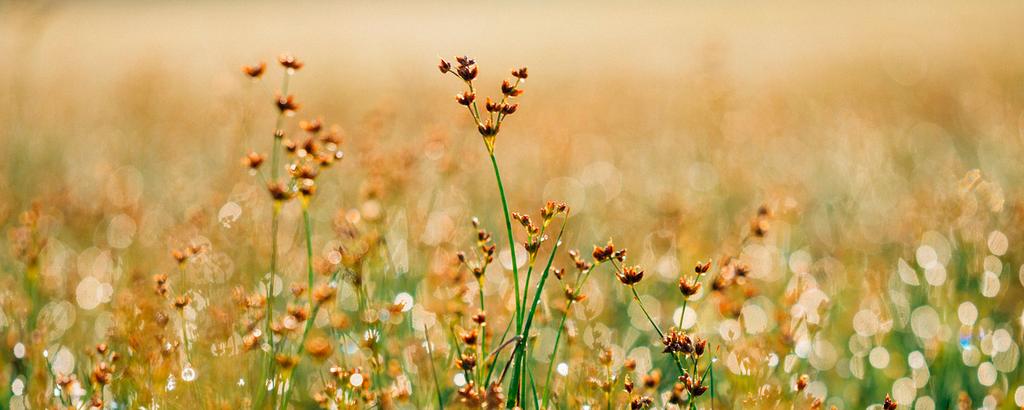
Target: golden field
x=850 y=173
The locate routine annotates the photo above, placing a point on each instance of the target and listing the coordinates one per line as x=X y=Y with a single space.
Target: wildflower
x=676 y=341
x=641 y=402
x=630 y=276
x=652 y=379
x=889 y=403
x=519 y=73
x=279 y=191
x=312 y=126
x=253 y=160
x=181 y=301
x=801 y=382
x=469 y=337
x=693 y=385
x=324 y=293
x=255 y=71
x=466 y=362
x=290 y=62
x=444 y=66
x=688 y=288
x=286 y=104
x=510 y=89
x=465 y=98
x=286 y=361
x=319 y=348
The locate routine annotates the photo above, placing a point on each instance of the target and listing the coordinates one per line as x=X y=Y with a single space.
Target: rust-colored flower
x=255 y=71
x=290 y=62
x=630 y=275
x=319 y=347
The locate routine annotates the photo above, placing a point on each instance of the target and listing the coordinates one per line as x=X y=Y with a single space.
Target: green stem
x=661 y=335
x=433 y=372
x=309 y=249
x=511 y=242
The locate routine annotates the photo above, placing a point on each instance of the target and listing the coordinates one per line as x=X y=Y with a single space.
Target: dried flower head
x=319 y=347
x=286 y=104
x=253 y=160
x=889 y=403
x=289 y=62
x=630 y=275
x=255 y=71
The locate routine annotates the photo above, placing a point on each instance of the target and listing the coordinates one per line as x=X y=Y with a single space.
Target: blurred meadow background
x=883 y=142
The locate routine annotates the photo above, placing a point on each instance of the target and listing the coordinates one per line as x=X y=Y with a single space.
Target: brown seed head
x=312 y=126
x=519 y=73
x=802 y=381
x=255 y=71
x=444 y=66
x=287 y=104
x=253 y=160
x=465 y=98
x=290 y=62
x=889 y=403
x=630 y=275
x=319 y=347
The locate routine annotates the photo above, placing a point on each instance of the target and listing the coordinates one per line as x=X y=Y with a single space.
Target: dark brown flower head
x=581 y=264
x=802 y=381
x=490 y=106
x=573 y=295
x=605 y=357
x=102 y=373
x=702 y=268
x=179 y=256
x=630 y=275
x=688 y=288
x=466 y=362
x=181 y=301
x=889 y=403
x=508 y=109
x=255 y=71
x=480 y=318
x=319 y=347
x=253 y=160
x=676 y=341
x=444 y=66
x=290 y=62
x=465 y=98
x=699 y=346
x=101 y=348
x=602 y=254
x=312 y=126
x=627 y=384
x=299 y=313
x=469 y=337
x=324 y=293
x=307 y=188
x=510 y=89
x=641 y=402
x=559 y=272
x=286 y=361
x=279 y=191
x=464 y=61
x=652 y=379
x=488 y=128
x=286 y=104
x=161 y=284
x=467 y=72
x=519 y=73
x=693 y=385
